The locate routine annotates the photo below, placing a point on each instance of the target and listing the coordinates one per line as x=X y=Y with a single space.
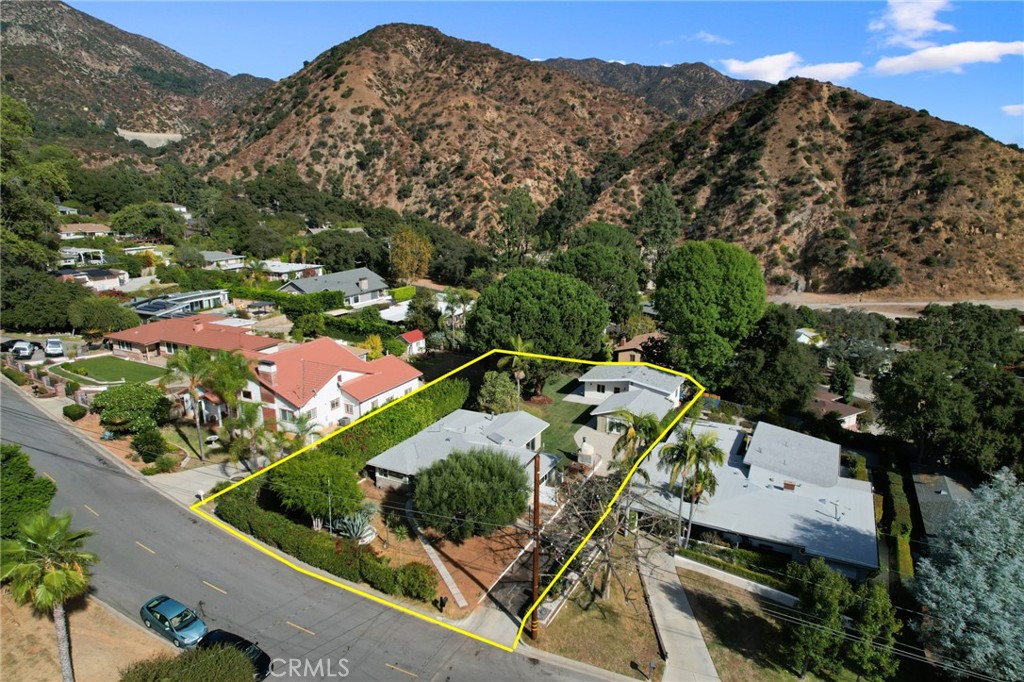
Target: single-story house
x=810 y=337
x=278 y=271
x=164 y=337
x=71 y=257
x=602 y=381
x=517 y=434
x=823 y=403
x=631 y=350
x=326 y=380
x=415 y=343
x=361 y=286
x=99 y=279
x=83 y=231
x=784 y=493
x=66 y=210
x=222 y=260
x=178 y=305
x=938 y=495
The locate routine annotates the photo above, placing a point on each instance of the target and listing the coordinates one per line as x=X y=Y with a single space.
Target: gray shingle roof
x=637 y=402
x=214 y=256
x=347 y=282
x=637 y=374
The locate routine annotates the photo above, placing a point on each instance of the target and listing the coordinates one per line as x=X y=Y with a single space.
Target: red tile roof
x=196 y=330
x=824 y=402
x=412 y=337
x=638 y=340
x=305 y=369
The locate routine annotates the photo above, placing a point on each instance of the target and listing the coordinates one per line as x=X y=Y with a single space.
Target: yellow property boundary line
x=197 y=507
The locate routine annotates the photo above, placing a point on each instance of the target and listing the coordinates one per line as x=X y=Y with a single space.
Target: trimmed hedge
x=904 y=560
x=879 y=502
x=14 y=375
x=401 y=294
x=341 y=557
x=74 y=412
x=161 y=465
x=292 y=305
x=901 y=523
x=741 y=571
x=404 y=420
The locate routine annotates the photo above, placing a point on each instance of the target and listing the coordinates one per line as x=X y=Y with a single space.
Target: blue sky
x=962 y=61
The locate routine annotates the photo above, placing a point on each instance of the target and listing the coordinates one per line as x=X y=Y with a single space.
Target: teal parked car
x=173 y=620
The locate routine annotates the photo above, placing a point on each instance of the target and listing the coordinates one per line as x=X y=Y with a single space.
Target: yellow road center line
x=212 y=586
x=91 y=509
x=144 y=547
x=395 y=667
x=299 y=627
x=50 y=477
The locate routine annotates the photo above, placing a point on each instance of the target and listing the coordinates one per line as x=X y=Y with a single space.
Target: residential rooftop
x=646 y=377
x=790 y=454
x=195 y=330
x=346 y=282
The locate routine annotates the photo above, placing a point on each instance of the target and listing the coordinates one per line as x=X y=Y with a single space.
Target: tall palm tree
x=229 y=374
x=701 y=479
x=257 y=271
x=254 y=437
x=456 y=300
x=517 y=363
x=301 y=252
x=677 y=458
x=191 y=365
x=47 y=567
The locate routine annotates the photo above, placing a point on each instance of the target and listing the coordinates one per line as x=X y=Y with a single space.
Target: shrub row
x=161 y=465
x=292 y=305
x=901 y=523
x=76 y=368
x=341 y=557
x=14 y=375
x=367 y=321
x=404 y=420
x=741 y=571
x=401 y=294
x=74 y=412
x=904 y=560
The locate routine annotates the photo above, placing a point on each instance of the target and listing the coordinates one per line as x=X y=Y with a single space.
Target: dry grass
x=616 y=634
x=101 y=642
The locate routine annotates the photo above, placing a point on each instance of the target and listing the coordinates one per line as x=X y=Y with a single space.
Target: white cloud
x=1014 y=110
x=907 y=22
x=707 y=37
x=617 y=61
x=948 y=57
x=779 y=67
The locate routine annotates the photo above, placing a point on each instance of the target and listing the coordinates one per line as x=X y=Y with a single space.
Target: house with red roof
x=327 y=381
x=824 y=403
x=164 y=337
x=415 y=343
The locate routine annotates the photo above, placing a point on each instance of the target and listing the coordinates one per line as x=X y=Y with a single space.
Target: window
x=617 y=389
x=408 y=390
x=311 y=413
x=374 y=404
x=124 y=345
x=600 y=388
x=632 y=357
x=247 y=395
x=170 y=347
x=287 y=415
x=348 y=408
x=335 y=403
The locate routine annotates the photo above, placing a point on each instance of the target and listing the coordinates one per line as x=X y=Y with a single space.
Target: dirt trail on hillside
x=887 y=307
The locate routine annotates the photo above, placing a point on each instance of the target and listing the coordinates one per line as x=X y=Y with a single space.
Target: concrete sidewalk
x=688 y=656
x=184 y=486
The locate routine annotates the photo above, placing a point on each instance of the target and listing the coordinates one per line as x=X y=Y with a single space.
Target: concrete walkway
x=435 y=559
x=184 y=486
x=688 y=656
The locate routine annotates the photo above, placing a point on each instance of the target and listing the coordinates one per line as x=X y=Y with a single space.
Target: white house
x=326 y=381
x=222 y=260
x=634 y=388
x=824 y=403
x=361 y=286
x=415 y=343
x=83 y=231
x=278 y=271
x=810 y=337
x=72 y=257
x=100 y=279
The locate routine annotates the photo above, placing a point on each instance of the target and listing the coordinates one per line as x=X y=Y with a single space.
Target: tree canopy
x=517 y=216
x=972 y=582
x=21 y=492
x=101 y=315
x=410 y=255
x=658 y=222
x=968 y=333
x=471 y=493
x=560 y=314
x=132 y=407
x=823 y=595
x=498 y=393
x=608 y=272
x=709 y=296
x=302 y=485
x=150 y=219
x=564 y=213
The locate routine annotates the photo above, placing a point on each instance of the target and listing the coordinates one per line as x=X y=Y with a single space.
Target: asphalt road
x=148 y=545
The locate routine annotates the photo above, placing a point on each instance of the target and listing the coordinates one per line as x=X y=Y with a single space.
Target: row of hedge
x=401 y=294
x=404 y=420
x=292 y=305
x=901 y=524
x=904 y=560
x=735 y=569
x=14 y=375
x=341 y=557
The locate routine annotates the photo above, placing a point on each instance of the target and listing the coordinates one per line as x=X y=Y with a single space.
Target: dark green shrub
x=401 y=294
x=71 y=388
x=418 y=581
x=74 y=412
x=901 y=524
x=149 y=445
x=76 y=368
x=15 y=376
x=377 y=574
x=162 y=465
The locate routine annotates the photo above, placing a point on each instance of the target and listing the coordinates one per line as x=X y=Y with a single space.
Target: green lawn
x=109 y=368
x=564 y=417
x=55 y=369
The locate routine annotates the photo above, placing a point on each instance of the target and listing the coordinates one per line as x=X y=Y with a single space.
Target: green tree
x=251 y=436
x=339 y=250
x=132 y=407
x=968 y=333
x=561 y=315
x=189 y=256
x=374 y=346
x=423 y=313
x=878 y=273
x=517 y=363
x=229 y=374
x=192 y=366
x=471 y=493
x=498 y=394
x=221 y=663
x=22 y=493
x=704 y=457
x=309 y=325
x=103 y=315
x=318 y=484
x=37 y=301
x=151 y=219
x=842 y=381
x=410 y=255
x=46 y=567
x=823 y=595
x=658 y=223
x=638 y=431
x=518 y=219
x=709 y=297
x=303 y=252
x=557 y=221
x=456 y=301
x=608 y=273
x=972 y=582
x=678 y=458
x=771 y=369
x=872 y=651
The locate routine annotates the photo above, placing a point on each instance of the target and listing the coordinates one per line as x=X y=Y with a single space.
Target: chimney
x=789 y=485
x=268 y=371
x=197 y=325
x=364 y=284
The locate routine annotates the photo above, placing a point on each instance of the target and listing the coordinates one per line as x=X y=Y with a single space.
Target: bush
x=401 y=294
x=162 y=465
x=740 y=571
x=72 y=387
x=74 y=412
x=418 y=581
x=15 y=376
x=149 y=445
x=76 y=368
x=904 y=560
x=901 y=523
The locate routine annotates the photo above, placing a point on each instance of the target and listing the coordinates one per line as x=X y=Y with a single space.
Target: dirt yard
x=101 y=642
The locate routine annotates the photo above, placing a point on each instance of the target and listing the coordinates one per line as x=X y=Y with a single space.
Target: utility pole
x=330 y=509
x=534 y=622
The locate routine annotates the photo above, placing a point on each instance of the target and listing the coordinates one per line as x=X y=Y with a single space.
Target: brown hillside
x=407 y=117
x=72 y=69
x=816 y=179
